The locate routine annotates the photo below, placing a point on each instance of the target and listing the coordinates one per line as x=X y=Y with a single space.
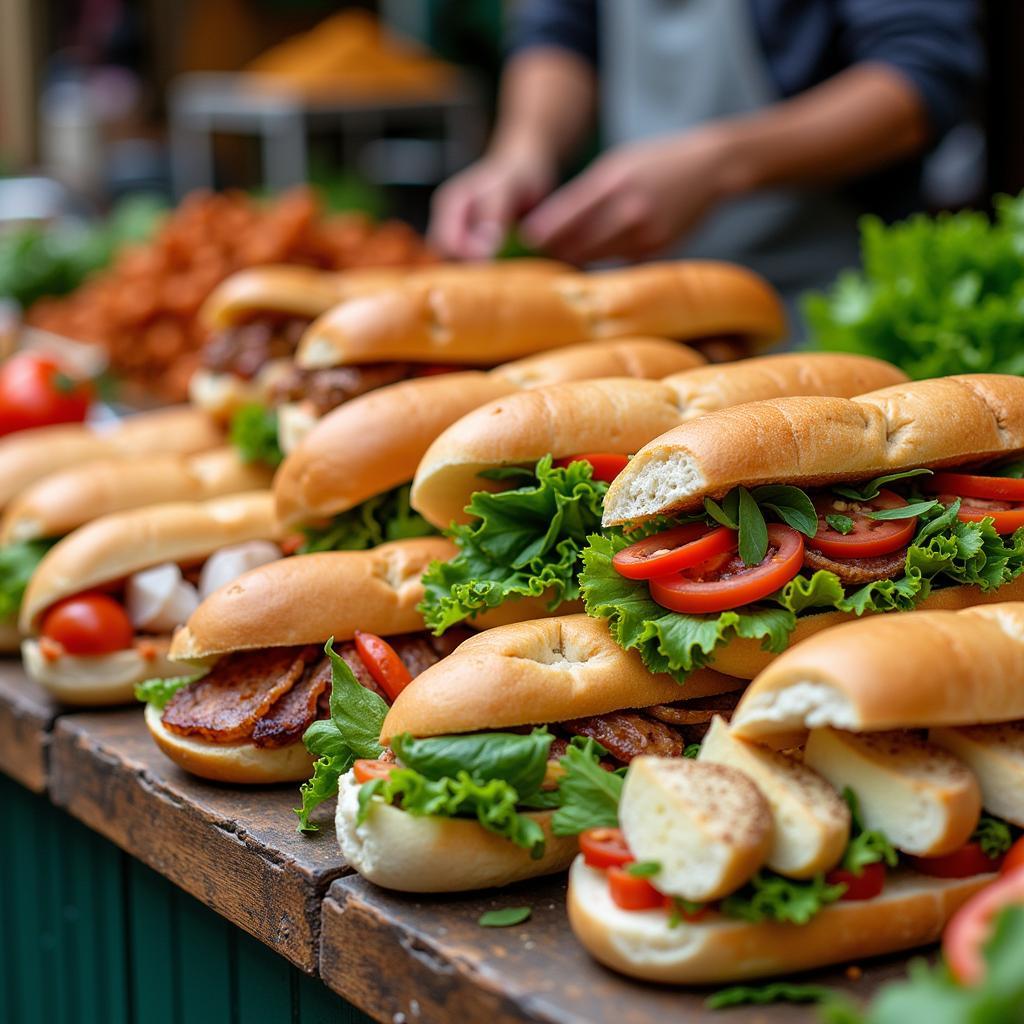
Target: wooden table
x=427 y=960
x=27 y=714
x=236 y=849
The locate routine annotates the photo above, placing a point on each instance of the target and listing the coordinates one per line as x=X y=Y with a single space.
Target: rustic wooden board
x=27 y=714
x=236 y=849
x=418 y=960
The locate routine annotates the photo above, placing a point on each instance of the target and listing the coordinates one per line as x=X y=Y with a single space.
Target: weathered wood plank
x=235 y=849
x=27 y=714
x=428 y=961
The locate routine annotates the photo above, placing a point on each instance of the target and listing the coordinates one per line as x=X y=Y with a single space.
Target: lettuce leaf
x=385 y=517
x=352 y=731
x=770 y=897
x=522 y=542
x=158 y=692
x=254 y=434
x=17 y=563
x=589 y=793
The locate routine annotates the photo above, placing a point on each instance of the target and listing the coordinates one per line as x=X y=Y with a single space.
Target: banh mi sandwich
x=61 y=502
x=523 y=479
x=899 y=790
x=252 y=673
x=346 y=484
x=100 y=608
x=488 y=764
x=488 y=318
x=29 y=455
x=256 y=318
x=775 y=519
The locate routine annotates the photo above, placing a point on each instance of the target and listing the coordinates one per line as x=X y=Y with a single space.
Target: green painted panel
x=262 y=982
x=151 y=947
x=206 y=956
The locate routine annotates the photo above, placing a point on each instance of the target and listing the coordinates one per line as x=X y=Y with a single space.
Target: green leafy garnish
x=523 y=542
x=351 y=732
x=839 y=523
x=753 y=534
x=692 y=751
x=589 y=794
x=504 y=918
x=763 y=995
x=994 y=837
x=254 y=434
x=158 y=692
x=868 y=491
x=643 y=868
x=908 y=511
x=18 y=562
x=770 y=897
x=384 y=517
x=866 y=846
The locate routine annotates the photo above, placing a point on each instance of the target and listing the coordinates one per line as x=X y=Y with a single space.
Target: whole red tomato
x=35 y=392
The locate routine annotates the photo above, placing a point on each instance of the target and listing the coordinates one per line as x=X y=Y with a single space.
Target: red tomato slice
x=672 y=550
x=968 y=931
x=35 y=392
x=865 y=886
x=1006 y=517
x=720 y=584
x=383 y=663
x=606 y=466
x=967 y=485
x=631 y=892
x=1014 y=857
x=689 y=916
x=969 y=860
x=366 y=770
x=869 y=537
x=605 y=847
x=89 y=624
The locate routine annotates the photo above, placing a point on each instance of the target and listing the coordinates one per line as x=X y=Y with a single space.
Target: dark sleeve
x=570 y=24
x=935 y=43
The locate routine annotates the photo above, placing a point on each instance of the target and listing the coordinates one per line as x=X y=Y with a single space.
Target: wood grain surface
x=235 y=849
x=427 y=960
x=27 y=714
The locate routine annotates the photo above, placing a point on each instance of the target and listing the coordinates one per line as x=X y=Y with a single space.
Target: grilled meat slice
x=855 y=571
x=245 y=349
x=627 y=734
x=293 y=712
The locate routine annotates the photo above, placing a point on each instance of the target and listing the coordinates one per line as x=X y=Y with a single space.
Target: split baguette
x=493 y=317
x=115 y=546
x=615 y=415
x=812 y=441
x=28 y=456
x=65 y=500
x=911 y=912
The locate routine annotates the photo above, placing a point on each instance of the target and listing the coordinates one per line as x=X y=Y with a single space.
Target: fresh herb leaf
x=384 y=517
x=321 y=786
x=589 y=793
x=522 y=473
x=753 y=538
x=254 y=434
x=763 y=995
x=1013 y=470
x=719 y=515
x=994 y=837
x=159 y=691
x=908 y=511
x=504 y=918
x=18 y=562
x=643 y=868
x=770 y=897
x=682 y=909
x=790 y=504
x=839 y=523
x=868 y=491
x=691 y=750
x=866 y=846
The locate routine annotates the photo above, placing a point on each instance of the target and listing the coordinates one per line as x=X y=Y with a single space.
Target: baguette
x=115 y=546
x=28 y=456
x=618 y=415
x=65 y=500
x=811 y=441
x=492 y=317
x=911 y=912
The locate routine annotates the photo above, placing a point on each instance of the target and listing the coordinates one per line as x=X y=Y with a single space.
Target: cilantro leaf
x=384 y=517
x=254 y=434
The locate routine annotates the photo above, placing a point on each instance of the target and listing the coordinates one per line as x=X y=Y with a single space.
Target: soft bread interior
x=995 y=754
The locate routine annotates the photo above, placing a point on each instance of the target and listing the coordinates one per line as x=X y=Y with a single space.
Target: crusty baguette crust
x=117 y=545
x=911 y=912
x=67 y=499
x=648 y=358
x=308 y=598
x=29 y=455
x=547 y=670
x=918 y=670
x=375 y=442
x=811 y=441
x=241 y=763
x=491 y=318
x=745 y=658
x=396 y=850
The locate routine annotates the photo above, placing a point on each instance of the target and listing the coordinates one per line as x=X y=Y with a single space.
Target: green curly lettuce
x=523 y=542
x=158 y=692
x=589 y=793
x=254 y=435
x=17 y=563
x=770 y=897
x=385 y=517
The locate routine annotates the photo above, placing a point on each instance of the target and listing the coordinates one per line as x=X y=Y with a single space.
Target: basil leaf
x=504 y=918
x=643 y=868
x=865 y=492
x=791 y=505
x=1012 y=470
x=839 y=523
x=909 y=511
x=691 y=750
x=753 y=539
x=589 y=793
x=719 y=515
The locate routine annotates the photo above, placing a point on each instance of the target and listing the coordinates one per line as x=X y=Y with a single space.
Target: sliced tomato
x=1006 y=517
x=969 y=860
x=672 y=550
x=366 y=770
x=605 y=847
x=725 y=582
x=383 y=663
x=632 y=893
x=868 y=537
x=969 y=928
x=89 y=624
x=606 y=466
x=35 y=392
x=1014 y=857
x=865 y=886
x=968 y=485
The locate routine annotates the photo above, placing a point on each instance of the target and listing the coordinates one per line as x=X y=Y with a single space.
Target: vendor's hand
x=633 y=201
x=472 y=212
